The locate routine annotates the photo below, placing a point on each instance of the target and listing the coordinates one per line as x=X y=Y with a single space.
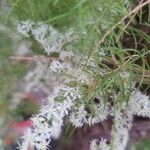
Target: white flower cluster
x=99 y=145
x=66 y=55
x=48 y=123
x=51 y=39
x=24 y=27
x=47 y=36
x=80 y=76
x=122 y=125
x=139 y=104
x=57 y=66
x=80 y=115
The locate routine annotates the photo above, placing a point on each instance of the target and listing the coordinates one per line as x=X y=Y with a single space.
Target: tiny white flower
x=80 y=76
x=28 y=140
x=94 y=144
x=55 y=66
x=73 y=92
x=78 y=116
x=66 y=54
x=99 y=145
x=24 y=27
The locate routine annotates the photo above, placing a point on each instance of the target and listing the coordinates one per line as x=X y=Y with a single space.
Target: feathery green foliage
x=101 y=27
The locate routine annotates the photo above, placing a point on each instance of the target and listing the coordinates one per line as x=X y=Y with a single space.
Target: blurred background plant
x=12 y=117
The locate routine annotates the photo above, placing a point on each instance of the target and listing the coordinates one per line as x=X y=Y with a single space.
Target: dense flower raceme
x=80 y=115
x=138 y=104
x=47 y=36
x=48 y=123
x=68 y=99
x=51 y=39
